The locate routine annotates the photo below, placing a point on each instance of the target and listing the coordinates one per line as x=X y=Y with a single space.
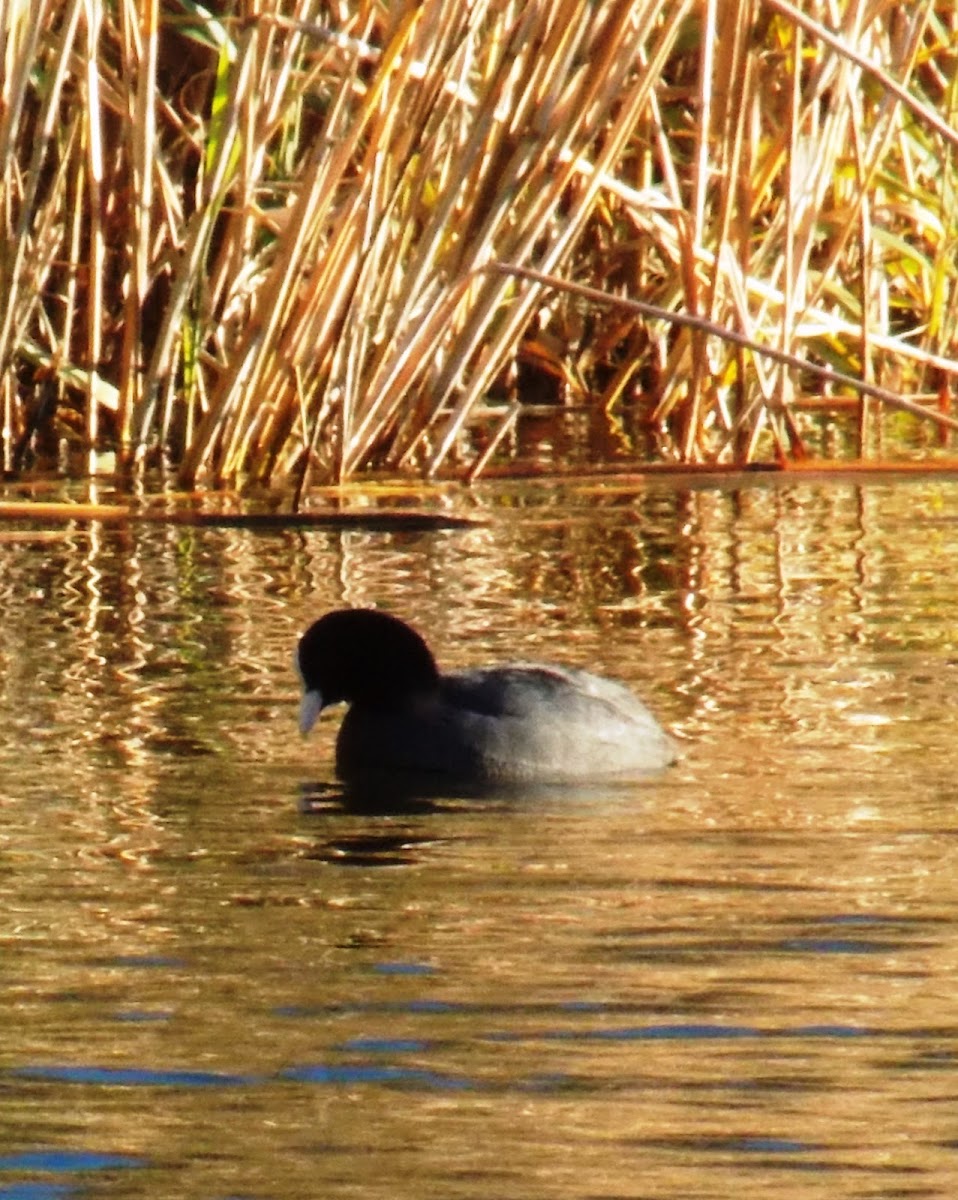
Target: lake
x=218 y=978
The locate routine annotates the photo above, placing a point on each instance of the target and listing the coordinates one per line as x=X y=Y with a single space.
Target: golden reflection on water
x=737 y=980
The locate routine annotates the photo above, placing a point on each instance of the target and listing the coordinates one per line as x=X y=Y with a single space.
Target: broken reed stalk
x=272 y=249
x=826 y=375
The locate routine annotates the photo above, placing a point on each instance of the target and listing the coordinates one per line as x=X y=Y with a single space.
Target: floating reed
x=292 y=243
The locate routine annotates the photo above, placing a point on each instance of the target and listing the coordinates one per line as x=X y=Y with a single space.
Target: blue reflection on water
x=133 y=1076
x=367 y=1073
x=137 y=1015
x=813 y=945
x=633 y=1033
x=59 y=1160
x=371 y=1045
x=403 y=968
x=680 y=1032
x=36 y=1191
x=770 y=1145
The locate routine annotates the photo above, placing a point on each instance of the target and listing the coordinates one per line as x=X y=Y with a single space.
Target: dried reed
x=304 y=239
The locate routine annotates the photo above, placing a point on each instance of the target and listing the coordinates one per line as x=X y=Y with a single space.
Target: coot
x=511 y=724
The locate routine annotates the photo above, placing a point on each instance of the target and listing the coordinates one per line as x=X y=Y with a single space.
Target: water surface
x=217 y=979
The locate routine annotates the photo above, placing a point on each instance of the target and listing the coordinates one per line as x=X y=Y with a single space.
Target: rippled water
x=216 y=980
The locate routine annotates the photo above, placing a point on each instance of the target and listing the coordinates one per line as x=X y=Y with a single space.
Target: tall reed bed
x=300 y=239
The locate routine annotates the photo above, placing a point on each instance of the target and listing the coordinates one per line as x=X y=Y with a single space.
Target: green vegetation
x=299 y=241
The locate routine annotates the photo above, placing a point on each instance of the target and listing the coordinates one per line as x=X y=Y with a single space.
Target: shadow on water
x=410 y=793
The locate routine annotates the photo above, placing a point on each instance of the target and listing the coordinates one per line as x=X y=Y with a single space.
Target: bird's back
x=511 y=724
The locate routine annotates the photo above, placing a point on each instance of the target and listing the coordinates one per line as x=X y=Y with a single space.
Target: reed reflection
x=780 y=604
